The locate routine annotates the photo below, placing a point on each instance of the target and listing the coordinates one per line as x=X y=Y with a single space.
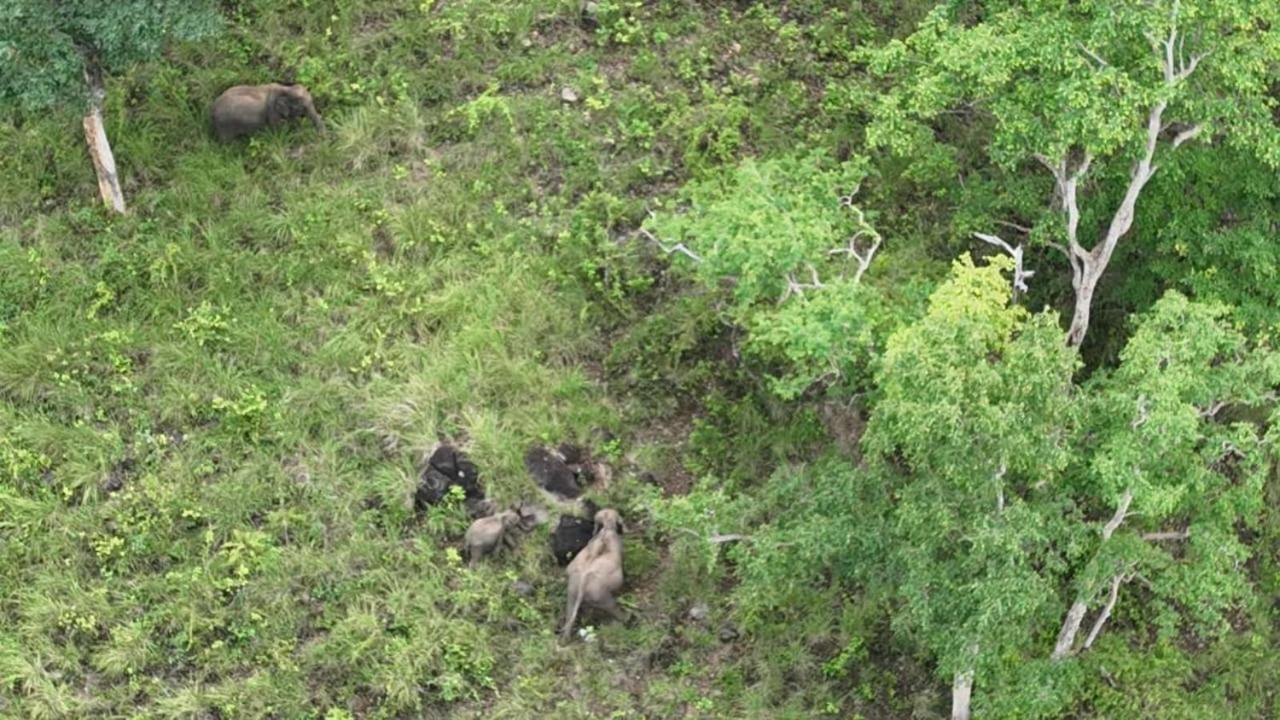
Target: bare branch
x=1093 y=56
x=1190 y=67
x=1187 y=134
x=1060 y=248
x=1015 y=226
x=1106 y=611
x=795 y=287
x=1068 y=187
x=1143 y=414
x=1019 y=274
x=1213 y=409
x=1056 y=168
x=1167 y=535
x=864 y=255
x=1122 y=512
x=678 y=247
x=1071 y=624
x=1070 y=628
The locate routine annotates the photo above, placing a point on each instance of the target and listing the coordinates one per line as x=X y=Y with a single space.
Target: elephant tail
x=576 y=587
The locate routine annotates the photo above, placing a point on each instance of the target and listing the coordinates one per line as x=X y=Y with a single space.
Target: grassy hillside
x=212 y=410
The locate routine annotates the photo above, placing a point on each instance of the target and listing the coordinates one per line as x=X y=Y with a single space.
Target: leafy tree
x=1097 y=93
x=1016 y=487
x=976 y=405
x=1007 y=510
x=786 y=238
x=56 y=54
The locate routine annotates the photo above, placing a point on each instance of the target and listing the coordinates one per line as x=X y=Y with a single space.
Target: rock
x=590 y=14
x=728 y=633
x=699 y=612
x=568 y=94
x=522 y=588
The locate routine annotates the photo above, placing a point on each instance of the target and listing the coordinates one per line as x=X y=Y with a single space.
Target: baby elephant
x=246 y=109
x=488 y=534
x=596 y=573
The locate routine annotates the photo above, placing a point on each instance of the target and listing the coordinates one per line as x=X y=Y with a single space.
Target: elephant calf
x=596 y=573
x=488 y=534
x=246 y=109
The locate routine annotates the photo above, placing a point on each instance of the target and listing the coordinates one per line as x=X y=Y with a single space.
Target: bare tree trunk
x=95 y=135
x=1084 y=302
x=1106 y=611
x=1087 y=266
x=961 y=692
x=1071 y=625
x=1070 y=628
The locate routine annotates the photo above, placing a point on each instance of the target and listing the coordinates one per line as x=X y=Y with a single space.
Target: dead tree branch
x=1167 y=535
x=1075 y=615
x=867 y=252
x=1020 y=274
x=677 y=248
x=1106 y=610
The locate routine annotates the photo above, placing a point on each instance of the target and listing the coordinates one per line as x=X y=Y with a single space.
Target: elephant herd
x=595 y=571
x=591 y=549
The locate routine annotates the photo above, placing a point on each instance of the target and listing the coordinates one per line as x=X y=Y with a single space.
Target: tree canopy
x=46 y=45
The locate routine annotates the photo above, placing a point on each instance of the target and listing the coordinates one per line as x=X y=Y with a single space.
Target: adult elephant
x=245 y=109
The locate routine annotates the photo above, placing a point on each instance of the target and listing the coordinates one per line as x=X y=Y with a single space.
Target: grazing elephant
x=596 y=573
x=245 y=109
x=488 y=534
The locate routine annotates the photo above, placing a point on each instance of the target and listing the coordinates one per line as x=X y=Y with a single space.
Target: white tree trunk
x=95 y=135
x=1071 y=625
x=1084 y=303
x=1087 y=266
x=961 y=692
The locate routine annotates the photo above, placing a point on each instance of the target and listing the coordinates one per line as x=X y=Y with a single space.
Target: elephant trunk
x=315 y=117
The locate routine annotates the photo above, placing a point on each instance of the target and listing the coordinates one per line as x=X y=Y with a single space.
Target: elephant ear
x=281 y=106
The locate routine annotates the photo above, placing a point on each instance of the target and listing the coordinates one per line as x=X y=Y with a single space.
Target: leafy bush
x=785 y=240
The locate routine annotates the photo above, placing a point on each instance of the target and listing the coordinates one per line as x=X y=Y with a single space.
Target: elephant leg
x=610 y=607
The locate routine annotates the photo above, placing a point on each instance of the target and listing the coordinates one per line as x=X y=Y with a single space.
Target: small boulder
x=590 y=14
x=728 y=633
x=522 y=588
x=568 y=95
x=699 y=612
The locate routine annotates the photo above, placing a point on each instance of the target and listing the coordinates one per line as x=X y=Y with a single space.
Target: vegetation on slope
x=213 y=409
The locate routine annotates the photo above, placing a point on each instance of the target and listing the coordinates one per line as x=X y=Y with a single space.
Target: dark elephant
x=448 y=466
x=246 y=109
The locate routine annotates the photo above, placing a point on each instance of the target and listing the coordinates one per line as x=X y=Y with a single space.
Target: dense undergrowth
x=212 y=410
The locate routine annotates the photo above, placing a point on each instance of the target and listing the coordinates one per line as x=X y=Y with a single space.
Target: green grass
x=212 y=410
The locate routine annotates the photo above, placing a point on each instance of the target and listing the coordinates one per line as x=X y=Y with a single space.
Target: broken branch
x=1106 y=610
x=678 y=247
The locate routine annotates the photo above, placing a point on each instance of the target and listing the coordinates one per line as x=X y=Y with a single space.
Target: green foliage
x=213 y=411
x=1057 y=78
x=45 y=49
x=775 y=233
